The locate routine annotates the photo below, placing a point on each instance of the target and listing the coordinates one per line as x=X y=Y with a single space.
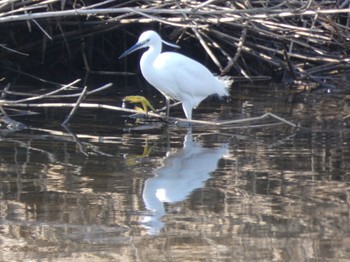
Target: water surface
x=109 y=190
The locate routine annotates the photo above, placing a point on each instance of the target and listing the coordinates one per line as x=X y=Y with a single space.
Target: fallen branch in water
x=151 y=114
x=78 y=104
x=14 y=125
x=46 y=95
x=75 y=108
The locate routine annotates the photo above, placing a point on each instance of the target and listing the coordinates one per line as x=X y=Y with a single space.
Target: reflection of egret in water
x=182 y=172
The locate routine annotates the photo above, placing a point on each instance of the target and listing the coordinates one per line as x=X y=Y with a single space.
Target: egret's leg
x=167 y=105
x=187 y=109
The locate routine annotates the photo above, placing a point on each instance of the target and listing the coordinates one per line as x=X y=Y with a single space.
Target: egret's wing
x=187 y=75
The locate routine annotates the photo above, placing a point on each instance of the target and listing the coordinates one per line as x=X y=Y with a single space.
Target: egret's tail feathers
x=225 y=82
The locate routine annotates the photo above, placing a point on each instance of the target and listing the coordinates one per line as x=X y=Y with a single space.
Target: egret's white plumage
x=176 y=76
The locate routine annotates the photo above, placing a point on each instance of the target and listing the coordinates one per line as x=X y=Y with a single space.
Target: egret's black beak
x=132 y=49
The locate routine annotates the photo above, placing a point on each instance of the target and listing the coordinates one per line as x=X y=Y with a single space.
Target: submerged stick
x=75 y=108
x=76 y=140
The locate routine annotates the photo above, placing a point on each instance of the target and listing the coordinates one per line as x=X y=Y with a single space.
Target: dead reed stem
x=302 y=21
x=307 y=39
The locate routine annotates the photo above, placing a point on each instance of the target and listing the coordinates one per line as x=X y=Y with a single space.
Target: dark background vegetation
x=261 y=41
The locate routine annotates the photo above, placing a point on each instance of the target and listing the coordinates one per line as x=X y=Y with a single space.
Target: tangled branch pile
x=308 y=39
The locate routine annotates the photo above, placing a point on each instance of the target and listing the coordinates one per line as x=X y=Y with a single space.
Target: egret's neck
x=149 y=57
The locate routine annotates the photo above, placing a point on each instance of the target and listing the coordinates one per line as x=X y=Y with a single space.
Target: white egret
x=176 y=76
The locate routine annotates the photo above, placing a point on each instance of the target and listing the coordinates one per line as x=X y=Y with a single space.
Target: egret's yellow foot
x=139 y=99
